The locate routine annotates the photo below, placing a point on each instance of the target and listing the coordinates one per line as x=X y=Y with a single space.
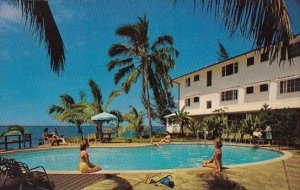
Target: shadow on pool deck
x=281 y=175
x=60 y=181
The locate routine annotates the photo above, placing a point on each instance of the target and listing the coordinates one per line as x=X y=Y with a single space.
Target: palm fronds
x=39 y=16
x=266 y=21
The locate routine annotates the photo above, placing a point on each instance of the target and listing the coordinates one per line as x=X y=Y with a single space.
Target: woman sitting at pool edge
x=216 y=160
x=85 y=166
x=165 y=140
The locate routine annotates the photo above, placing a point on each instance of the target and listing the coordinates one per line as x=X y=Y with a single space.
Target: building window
x=196 y=99
x=209 y=78
x=196 y=78
x=249 y=90
x=208 y=104
x=292 y=85
x=187 y=102
x=264 y=57
x=294 y=50
x=229 y=95
x=250 y=61
x=264 y=87
x=230 y=69
x=187 y=82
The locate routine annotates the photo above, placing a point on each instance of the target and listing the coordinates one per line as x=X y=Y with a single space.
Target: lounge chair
x=225 y=136
x=231 y=137
x=92 y=137
x=238 y=137
x=247 y=138
x=20 y=172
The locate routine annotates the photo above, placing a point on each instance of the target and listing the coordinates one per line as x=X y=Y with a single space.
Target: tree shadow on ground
x=219 y=181
x=120 y=183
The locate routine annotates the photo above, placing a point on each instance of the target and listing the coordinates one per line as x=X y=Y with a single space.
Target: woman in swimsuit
x=165 y=140
x=85 y=166
x=216 y=161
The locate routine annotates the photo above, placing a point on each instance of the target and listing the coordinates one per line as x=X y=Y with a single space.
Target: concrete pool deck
x=279 y=174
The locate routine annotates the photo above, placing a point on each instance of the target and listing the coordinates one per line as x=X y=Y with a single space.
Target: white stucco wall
x=254 y=75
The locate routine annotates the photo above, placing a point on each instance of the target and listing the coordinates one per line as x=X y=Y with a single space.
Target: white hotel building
x=242 y=84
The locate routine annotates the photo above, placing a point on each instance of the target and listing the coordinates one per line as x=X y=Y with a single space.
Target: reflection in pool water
x=144 y=158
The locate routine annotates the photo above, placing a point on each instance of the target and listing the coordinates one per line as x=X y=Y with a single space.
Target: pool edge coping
x=286 y=155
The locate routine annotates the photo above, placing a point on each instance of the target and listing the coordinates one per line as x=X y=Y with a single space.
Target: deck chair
x=238 y=137
x=224 y=136
x=20 y=172
x=92 y=137
x=231 y=137
x=247 y=138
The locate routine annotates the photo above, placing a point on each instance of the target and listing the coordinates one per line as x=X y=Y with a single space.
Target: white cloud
x=9 y=17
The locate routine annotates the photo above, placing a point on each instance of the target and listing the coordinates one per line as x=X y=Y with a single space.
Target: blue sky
x=28 y=87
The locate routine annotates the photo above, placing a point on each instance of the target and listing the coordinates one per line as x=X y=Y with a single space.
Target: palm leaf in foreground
x=266 y=21
x=39 y=16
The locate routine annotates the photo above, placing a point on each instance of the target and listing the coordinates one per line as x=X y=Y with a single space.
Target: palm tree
x=135 y=121
x=38 y=16
x=116 y=128
x=182 y=118
x=96 y=106
x=14 y=129
x=267 y=22
x=196 y=126
x=69 y=111
x=139 y=59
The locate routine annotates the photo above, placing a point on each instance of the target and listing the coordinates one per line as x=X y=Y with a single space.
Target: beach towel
x=167 y=180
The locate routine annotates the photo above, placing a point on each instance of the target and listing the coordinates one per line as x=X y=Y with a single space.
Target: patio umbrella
x=104 y=116
x=99 y=119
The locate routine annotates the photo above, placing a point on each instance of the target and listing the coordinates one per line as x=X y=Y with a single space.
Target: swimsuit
x=83 y=167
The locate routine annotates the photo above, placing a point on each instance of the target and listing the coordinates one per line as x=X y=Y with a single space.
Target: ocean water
x=67 y=131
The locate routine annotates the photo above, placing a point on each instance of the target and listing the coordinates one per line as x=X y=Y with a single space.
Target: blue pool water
x=144 y=158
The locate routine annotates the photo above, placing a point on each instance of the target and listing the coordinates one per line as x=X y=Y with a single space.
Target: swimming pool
x=144 y=158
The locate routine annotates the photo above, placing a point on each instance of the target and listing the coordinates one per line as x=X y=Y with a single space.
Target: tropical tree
x=162 y=107
x=246 y=125
x=116 y=128
x=182 y=118
x=97 y=106
x=196 y=126
x=217 y=123
x=282 y=121
x=267 y=22
x=69 y=111
x=135 y=121
x=138 y=59
x=37 y=14
x=222 y=52
x=14 y=129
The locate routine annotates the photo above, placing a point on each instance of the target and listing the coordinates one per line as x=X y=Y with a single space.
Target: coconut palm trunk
x=78 y=125
x=99 y=131
x=149 y=114
x=148 y=100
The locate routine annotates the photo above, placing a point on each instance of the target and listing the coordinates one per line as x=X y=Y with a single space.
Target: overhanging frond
x=123 y=72
x=39 y=16
x=97 y=95
x=118 y=49
x=118 y=63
